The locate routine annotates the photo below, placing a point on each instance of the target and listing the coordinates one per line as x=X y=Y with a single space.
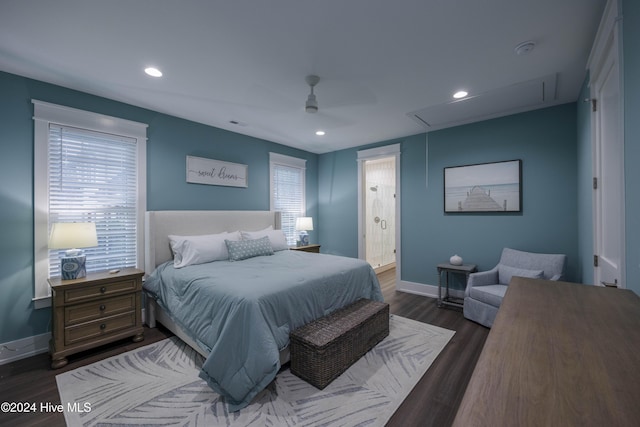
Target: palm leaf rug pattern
x=159 y=385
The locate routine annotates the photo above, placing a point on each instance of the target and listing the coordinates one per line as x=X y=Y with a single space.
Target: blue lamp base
x=73 y=267
x=304 y=238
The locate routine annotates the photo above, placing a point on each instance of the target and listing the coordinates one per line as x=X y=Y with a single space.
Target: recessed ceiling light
x=460 y=94
x=320 y=132
x=153 y=72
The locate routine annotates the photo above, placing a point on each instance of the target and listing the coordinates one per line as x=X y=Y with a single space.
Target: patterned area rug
x=158 y=385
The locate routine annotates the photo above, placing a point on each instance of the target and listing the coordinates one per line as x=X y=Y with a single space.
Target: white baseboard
x=430 y=291
x=24 y=347
x=29 y=346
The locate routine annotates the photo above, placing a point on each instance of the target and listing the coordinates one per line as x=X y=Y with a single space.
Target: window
x=88 y=168
x=288 y=191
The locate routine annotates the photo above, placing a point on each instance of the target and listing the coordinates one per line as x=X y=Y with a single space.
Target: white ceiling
x=379 y=61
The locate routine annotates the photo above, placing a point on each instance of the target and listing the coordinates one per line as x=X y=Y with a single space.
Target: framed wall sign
x=486 y=187
x=215 y=172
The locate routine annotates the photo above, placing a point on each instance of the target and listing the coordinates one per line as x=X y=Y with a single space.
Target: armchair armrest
x=482 y=278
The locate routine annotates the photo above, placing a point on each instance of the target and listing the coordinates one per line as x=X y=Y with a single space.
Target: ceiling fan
x=311 y=105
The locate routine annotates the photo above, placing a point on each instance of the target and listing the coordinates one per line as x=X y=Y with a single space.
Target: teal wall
x=170 y=140
x=631 y=71
x=338 y=202
x=585 y=187
x=546 y=142
x=338 y=192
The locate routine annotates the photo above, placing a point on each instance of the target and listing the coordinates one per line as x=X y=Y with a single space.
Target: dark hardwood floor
x=435 y=399
x=433 y=402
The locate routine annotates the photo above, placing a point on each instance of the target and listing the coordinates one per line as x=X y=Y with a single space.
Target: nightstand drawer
x=95 y=310
x=99 y=328
x=86 y=293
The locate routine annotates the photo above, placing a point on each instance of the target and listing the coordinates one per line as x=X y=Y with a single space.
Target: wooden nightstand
x=307 y=248
x=94 y=310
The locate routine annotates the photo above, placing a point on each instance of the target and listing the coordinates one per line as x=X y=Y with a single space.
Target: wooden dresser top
x=558 y=354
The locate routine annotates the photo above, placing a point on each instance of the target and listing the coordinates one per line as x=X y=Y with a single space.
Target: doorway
x=379 y=212
x=379 y=208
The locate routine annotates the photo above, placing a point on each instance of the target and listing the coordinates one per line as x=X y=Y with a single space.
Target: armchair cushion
x=505 y=273
x=490 y=294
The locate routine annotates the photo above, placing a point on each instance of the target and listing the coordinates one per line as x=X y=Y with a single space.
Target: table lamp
x=71 y=236
x=304 y=224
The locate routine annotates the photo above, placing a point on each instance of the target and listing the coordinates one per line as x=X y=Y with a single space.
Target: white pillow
x=276 y=237
x=190 y=250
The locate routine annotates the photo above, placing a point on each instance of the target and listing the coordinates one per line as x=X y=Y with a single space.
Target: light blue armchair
x=485 y=289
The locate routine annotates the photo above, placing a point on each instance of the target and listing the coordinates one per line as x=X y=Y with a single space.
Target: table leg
x=440 y=288
x=447 y=293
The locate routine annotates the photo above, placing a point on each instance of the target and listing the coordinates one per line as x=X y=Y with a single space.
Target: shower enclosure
x=380 y=207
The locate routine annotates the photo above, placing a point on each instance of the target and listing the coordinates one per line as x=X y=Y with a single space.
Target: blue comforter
x=242 y=311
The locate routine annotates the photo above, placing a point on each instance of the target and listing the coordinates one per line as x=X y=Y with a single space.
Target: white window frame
x=44 y=114
x=293 y=162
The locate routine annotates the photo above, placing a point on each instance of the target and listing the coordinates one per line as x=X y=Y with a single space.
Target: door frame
x=392 y=150
x=605 y=52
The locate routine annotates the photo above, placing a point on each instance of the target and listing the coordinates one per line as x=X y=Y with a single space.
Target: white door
x=608 y=167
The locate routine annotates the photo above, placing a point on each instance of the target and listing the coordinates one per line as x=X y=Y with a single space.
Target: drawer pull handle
x=103 y=290
x=103 y=326
x=102 y=307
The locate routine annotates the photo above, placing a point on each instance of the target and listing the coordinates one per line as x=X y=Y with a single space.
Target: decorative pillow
x=244 y=249
x=276 y=237
x=505 y=273
x=190 y=250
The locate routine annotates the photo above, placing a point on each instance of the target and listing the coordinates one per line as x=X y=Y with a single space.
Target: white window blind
x=288 y=191
x=93 y=178
x=88 y=167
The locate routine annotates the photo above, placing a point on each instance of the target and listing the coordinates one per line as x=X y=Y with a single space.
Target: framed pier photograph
x=483 y=187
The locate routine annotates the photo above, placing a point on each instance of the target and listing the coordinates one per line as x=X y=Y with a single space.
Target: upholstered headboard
x=160 y=224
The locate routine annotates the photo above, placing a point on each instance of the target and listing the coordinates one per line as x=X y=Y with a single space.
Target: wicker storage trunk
x=326 y=347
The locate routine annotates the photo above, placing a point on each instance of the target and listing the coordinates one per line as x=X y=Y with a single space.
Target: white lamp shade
x=304 y=223
x=67 y=235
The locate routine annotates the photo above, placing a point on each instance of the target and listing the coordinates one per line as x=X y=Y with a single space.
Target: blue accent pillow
x=243 y=249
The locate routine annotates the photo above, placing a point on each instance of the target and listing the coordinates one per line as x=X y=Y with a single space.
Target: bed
x=238 y=314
